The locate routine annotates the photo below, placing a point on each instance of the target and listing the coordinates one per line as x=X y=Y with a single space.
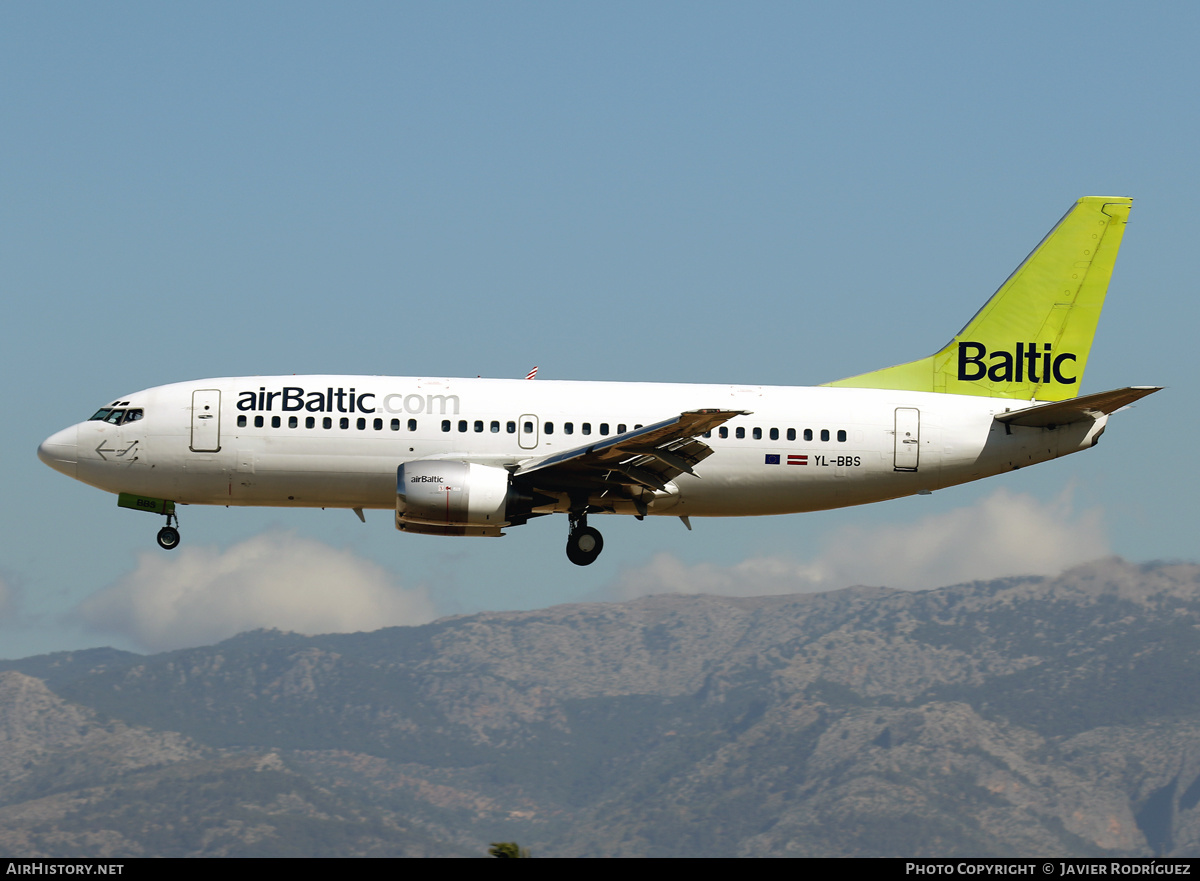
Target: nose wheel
x=584 y=544
x=168 y=536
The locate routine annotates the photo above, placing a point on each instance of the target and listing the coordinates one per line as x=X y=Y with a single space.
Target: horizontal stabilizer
x=1077 y=409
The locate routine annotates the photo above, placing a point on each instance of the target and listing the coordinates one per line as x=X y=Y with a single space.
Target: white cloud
x=196 y=596
x=1003 y=534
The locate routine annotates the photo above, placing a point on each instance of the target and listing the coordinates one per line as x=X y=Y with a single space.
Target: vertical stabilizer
x=1032 y=338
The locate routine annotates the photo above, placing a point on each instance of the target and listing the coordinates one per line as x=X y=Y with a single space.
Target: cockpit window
x=114 y=416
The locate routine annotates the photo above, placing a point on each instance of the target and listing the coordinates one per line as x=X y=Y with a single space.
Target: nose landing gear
x=584 y=544
x=168 y=536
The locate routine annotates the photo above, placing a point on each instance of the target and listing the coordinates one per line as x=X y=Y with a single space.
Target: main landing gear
x=584 y=544
x=168 y=536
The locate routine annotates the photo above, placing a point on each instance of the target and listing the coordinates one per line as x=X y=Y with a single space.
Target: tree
x=508 y=850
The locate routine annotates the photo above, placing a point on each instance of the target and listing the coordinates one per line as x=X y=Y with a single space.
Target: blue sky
x=758 y=193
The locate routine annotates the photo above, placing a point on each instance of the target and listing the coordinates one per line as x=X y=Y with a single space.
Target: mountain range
x=1032 y=716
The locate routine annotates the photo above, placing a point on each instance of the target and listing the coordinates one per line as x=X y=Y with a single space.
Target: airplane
x=473 y=457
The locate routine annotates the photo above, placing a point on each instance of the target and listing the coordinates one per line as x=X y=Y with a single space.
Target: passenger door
x=206 y=421
x=908 y=439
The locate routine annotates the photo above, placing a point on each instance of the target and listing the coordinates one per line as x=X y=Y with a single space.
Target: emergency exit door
x=527 y=433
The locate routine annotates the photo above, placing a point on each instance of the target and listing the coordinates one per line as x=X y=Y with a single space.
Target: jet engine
x=449 y=497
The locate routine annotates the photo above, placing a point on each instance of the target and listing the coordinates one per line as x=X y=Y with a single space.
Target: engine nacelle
x=448 y=497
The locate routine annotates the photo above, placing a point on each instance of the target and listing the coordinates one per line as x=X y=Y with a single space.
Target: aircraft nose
x=58 y=451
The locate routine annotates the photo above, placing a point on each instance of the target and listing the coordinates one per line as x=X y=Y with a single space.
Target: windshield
x=116 y=416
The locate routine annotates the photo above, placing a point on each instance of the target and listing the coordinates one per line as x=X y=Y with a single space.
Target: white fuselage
x=337 y=441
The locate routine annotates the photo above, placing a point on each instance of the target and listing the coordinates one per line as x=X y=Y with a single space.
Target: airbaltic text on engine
x=337 y=400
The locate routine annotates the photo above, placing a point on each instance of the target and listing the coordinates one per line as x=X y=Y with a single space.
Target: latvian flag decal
x=773 y=459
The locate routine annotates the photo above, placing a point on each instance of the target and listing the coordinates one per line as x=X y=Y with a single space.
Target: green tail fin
x=1031 y=339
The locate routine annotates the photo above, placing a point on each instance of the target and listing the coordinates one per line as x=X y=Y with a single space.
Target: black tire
x=168 y=538
x=584 y=546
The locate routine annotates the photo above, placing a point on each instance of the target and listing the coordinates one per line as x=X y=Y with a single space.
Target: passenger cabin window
x=791 y=435
x=620 y=428
x=510 y=427
x=242 y=421
x=293 y=422
x=824 y=434
x=758 y=433
x=258 y=422
x=478 y=426
x=841 y=436
x=327 y=422
x=310 y=422
x=723 y=431
x=740 y=432
x=547 y=427
x=275 y=423
x=344 y=422
x=568 y=428
x=586 y=428
x=808 y=434
x=412 y=425
x=495 y=426
x=604 y=428
x=445 y=425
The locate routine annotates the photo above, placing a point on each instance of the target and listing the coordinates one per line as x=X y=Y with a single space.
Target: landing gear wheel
x=168 y=538
x=584 y=545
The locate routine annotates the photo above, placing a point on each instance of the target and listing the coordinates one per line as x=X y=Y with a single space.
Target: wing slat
x=645 y=457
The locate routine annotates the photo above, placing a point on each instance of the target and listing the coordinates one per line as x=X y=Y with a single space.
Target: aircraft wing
x=1077 y=409
x=648 y=456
